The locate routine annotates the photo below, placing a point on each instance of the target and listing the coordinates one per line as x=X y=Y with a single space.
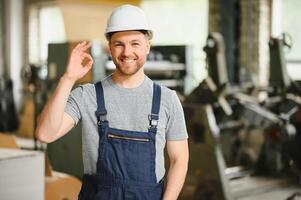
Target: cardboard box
x=61 y=186
x=8 y=141
x=57 y=186
x=21 y=174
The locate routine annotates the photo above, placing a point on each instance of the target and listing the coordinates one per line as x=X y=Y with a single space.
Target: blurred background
x=235 y=64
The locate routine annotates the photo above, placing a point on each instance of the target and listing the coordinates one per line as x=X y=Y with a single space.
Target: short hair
x=147 y=33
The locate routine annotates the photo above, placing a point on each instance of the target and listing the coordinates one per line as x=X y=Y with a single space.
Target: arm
x=54 y=122
x=178 y=157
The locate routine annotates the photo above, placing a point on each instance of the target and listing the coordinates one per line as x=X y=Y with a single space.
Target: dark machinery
x=214 y=87
x=208 y=111
x=217 y=115
x=280 y=153
x=9 y=121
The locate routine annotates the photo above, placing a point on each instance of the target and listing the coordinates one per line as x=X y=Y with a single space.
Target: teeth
x=128 y=61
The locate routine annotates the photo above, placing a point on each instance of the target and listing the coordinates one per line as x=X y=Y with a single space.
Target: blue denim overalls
x=126 y=159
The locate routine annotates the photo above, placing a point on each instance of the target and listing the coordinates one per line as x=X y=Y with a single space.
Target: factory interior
x=233 y=64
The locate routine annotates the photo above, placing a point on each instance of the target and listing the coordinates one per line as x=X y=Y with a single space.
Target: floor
x=264 y=188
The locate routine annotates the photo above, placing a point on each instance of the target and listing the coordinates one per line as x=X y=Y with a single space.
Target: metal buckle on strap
x=153 y=120
x=101 y=116
x=101 y=121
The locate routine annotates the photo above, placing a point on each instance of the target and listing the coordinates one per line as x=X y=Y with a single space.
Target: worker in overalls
x=127 y=119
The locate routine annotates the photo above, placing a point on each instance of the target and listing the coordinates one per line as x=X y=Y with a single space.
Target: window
x=45 y=26
x=285 y=20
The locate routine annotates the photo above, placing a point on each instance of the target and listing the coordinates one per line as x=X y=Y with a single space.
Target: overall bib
x=126 y=159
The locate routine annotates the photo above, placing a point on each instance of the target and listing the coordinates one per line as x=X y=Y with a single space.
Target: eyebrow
x=118 y=41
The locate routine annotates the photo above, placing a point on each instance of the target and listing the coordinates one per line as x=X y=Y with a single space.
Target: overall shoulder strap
x=101 y=111
x=154 y=116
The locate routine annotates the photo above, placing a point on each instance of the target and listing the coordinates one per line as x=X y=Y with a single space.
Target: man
x=126 y=118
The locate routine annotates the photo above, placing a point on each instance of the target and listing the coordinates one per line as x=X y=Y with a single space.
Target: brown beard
x=128 y=71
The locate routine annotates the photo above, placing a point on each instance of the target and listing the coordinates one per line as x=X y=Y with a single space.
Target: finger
x=87 y=56
x=83 y=43
x=88 y=66
x=89 y=60
x=86 y=46
x=79 y=46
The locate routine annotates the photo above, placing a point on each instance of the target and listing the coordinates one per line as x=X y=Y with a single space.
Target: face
x=129 y=50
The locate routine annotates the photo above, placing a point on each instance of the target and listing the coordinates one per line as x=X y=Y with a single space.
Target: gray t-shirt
x=128 y=109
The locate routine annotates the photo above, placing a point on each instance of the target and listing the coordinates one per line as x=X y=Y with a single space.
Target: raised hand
x=77 y=68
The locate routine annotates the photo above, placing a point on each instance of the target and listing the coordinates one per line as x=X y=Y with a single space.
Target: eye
x=136 y=44
x=117 y=44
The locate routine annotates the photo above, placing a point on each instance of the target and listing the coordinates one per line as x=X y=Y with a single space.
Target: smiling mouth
x=127 y=60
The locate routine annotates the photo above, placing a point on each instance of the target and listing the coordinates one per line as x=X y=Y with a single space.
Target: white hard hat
x=126 y=18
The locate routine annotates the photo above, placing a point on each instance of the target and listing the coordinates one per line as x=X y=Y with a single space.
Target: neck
x=128 y=81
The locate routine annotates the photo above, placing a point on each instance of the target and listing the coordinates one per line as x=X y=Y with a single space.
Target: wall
x=83 y=20
x=90 y=18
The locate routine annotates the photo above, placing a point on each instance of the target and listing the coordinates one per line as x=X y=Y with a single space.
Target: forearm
x=175 y=179
x=52 y=115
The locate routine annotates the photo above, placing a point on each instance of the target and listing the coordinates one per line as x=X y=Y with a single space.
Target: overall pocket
x=130 y=156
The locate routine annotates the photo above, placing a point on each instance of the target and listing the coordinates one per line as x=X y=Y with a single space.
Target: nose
x=127 y=50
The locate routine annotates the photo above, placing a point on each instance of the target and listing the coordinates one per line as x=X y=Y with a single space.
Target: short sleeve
x=73 y=102
x=176 y=127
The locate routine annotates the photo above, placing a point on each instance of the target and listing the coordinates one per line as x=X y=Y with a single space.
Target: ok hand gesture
x=77 y=68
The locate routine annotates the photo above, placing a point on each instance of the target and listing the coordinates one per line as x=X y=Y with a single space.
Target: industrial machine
x=280 y=152
x=9 y=121
x=232 y=130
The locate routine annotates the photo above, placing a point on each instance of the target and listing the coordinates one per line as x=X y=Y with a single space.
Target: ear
x=109 y=48
x=149 y=45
